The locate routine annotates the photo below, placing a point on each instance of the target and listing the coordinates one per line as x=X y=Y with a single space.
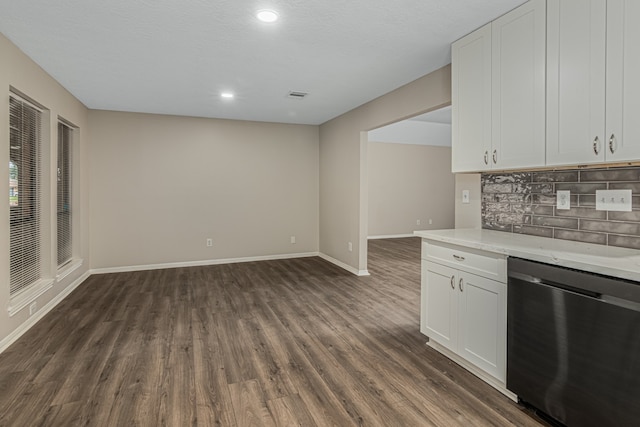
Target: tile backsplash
x=524 y=202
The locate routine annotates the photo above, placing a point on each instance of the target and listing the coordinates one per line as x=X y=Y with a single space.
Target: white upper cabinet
x=564 y=87
x=498 y=93
x=576 y=62
x=593 y=93
x=623 y=81
x=518 y=87
x=471 y=101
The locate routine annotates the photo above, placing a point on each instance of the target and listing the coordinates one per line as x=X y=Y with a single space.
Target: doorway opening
x=406 y=177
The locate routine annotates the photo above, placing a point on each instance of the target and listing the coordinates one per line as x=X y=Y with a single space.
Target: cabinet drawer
x=486 y=264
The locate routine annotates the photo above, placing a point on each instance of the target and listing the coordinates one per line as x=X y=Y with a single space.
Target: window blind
x=24 y=194
x=64 y=208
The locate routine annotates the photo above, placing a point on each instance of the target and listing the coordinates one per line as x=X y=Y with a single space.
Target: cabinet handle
x=596 y=145
x=460 y=284
x=486 y=157
x=453 y=282
x=612 y=144
x=458 y=257
x=495 y=156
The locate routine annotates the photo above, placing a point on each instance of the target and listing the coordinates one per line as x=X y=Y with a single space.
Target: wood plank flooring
x=276 y=343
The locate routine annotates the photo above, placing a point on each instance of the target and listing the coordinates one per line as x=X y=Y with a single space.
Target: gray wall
x=408 y=183
x=468 y=214
x=343 y=153
x=21 y=73
x=161 y=185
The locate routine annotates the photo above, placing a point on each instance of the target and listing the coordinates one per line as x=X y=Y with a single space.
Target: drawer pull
x=453 y=282
x=612 y=144
x=460 y=284
x=458 y=257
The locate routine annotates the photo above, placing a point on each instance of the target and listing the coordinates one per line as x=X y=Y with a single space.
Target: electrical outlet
x=430 y=221
x=350 y=247
x=209 y=243
x=33 y=307
x=293 y=240
x=417 y=222
x=613 y=200
x=465 y=196
x=563 y=199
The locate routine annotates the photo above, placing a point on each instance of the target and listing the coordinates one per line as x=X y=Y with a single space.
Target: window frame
x=64 y=194
x=28 y=254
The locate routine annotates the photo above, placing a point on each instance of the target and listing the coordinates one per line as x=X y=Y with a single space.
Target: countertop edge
x=616 y=262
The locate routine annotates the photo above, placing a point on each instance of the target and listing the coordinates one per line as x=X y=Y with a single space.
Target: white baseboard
x=344 y=266
x=20 y=330
x=390 y=236
x=130 y=268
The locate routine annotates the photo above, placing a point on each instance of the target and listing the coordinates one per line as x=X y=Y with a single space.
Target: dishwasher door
x=573 y=353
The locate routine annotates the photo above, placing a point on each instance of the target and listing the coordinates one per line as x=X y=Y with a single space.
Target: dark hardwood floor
x=273 y=343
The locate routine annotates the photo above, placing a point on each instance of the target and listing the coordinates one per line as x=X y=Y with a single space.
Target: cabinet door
x=623 y=81
x=471 y=101
x=483 y=323
x=439 y=304
x=518 y=87
x=576 y=43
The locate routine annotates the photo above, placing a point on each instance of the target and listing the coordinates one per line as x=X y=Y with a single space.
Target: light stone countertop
x=606 y=260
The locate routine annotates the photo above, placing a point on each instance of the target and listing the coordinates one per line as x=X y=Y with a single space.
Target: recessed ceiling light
x=227 y=95
x=267 y=15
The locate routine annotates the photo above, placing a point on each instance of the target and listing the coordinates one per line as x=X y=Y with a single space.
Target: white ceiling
x=176 y=56
x=443 y=115
x=433 y=128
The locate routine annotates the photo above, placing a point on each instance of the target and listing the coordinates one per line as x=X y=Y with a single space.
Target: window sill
x=68 y=268
x=27 y=296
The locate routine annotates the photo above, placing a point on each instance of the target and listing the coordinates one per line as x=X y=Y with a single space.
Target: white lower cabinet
x=465 y=314
x=439 y=304
x=482 y=325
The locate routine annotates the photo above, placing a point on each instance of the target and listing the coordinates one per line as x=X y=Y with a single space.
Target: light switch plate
x=563 y=199
x=613 y=200
x=465 y=196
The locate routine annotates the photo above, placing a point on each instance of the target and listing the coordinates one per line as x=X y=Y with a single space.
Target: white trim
x=130 y=268
x=29 y=295
x=488 y=378
x=363 y=211
x=391 y=236
x=343 y=265
x=17 y=95
x=69 y=268
x=20 y=330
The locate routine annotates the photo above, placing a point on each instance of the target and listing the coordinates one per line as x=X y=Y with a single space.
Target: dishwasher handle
x=579 y=281
x=538 y=281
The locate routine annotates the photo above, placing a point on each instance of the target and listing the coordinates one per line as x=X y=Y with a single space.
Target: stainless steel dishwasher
x=573 y=344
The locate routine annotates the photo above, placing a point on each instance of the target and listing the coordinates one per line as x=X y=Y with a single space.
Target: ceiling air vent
x=297 y=95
